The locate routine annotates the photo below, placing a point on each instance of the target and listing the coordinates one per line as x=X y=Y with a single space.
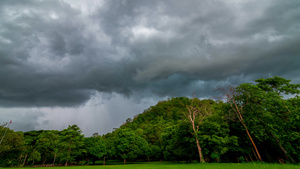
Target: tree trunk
x=252 y=141
x=199 y=151
x=254 y=153
x=124 y=160
x=239 y=111
x=54 y=158
x=104 y=163
x=24 y=160
x=44 y=161
x=20 y=159
x=282 y=149
x=269 y=157
x=196 y=114
x=69 y=152
x=289 y=158
x=250 y=157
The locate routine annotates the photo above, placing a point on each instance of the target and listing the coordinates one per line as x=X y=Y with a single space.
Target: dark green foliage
x=71 y=143
x=152 y=122
x=96 y=147
x=129 y=145
x=215 y=137
x=47 y=145
x=11 y=147
x=178 y=143
x=270 y=109
x=270 y=118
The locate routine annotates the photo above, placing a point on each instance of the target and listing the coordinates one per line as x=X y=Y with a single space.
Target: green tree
x=129 y=145
x=96 y=146
x=11 y=146
x=35 y=156
x=197 y=112
x=233 y=96
x=179 y=142
x=215 y=136
x=30 y=145
x=110 y=139
x=280 y=117
x=48 y=144
x=71 y=143
x=265 y=114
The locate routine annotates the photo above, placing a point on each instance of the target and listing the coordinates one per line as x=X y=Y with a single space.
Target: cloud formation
x=62 y=53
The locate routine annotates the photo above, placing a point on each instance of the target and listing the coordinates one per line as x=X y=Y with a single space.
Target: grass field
x=166 y=165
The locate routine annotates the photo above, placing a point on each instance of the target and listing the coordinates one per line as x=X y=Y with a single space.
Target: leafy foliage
x=266 y=113
x=71 y=143
x=130 y=145
x=11 y=146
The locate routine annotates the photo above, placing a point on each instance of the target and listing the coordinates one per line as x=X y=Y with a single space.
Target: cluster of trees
x=69 y=146
x=22 y=148
x=253 y=122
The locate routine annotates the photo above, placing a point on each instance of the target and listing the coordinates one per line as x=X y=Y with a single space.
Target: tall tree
x=197 y=112
x=215 y=137
x=48 y=144
x=31 y=138
x=130 y=145
x=179 y=143
x=237 y=105
x=279 y=113
x=71 y=142
x=35 y=156
x=96 y=146
x=11 y=147
x=263 y=111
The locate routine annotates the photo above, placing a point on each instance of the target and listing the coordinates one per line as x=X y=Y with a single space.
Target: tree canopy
x=259 y=121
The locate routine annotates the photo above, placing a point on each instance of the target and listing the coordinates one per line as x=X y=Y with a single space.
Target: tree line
x=252 y=122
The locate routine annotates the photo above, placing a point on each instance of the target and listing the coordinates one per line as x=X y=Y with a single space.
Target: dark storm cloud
x=52 y=54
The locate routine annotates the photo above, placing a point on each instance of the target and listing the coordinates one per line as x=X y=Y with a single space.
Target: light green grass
x=166 y=165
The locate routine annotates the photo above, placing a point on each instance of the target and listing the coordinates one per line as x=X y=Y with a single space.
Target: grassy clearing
x=167 y=165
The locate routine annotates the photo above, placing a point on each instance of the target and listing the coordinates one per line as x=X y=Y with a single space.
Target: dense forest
x=257 y=121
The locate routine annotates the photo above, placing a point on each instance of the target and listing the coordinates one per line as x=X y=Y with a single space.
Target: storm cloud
x=61 y=54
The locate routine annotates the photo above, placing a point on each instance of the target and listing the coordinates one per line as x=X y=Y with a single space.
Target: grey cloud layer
x=52 y=54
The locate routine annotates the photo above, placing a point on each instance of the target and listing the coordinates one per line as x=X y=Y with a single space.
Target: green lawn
x=166 y=165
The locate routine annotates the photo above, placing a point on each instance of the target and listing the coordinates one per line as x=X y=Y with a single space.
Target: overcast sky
x=96 y=63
